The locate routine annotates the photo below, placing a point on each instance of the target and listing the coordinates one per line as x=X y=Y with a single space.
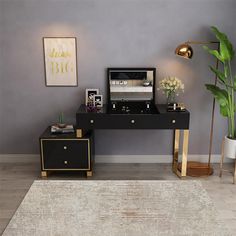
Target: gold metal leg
x=44 y=173
x=185 y=153
x=222 y=158
x=89 y=173
x=176 y=150
x=175 y=166
x=79 y=133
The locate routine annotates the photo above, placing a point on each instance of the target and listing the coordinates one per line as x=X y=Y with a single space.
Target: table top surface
x=48 y=135
x=160 y=109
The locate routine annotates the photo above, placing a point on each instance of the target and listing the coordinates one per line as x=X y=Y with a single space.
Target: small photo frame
x=98 y=100
x=89 y=94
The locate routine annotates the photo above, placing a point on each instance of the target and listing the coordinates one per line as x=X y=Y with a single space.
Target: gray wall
x=1 y=70
x=110 y=33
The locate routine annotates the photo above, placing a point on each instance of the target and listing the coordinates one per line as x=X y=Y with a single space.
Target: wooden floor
x=16 y=179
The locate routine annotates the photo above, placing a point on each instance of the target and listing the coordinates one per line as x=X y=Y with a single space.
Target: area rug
x=120 y=208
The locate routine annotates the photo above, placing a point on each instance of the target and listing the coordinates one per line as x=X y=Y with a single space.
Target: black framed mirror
x=131 y=84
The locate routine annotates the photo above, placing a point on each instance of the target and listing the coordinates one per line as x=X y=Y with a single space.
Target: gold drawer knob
x=91 y=121
x=65 y=162
x=173 y=121
x=132 y=121
x=65 y=147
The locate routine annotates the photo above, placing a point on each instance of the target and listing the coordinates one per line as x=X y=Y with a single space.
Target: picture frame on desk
x=60 y=61
x=89 y=96
x=98 y=100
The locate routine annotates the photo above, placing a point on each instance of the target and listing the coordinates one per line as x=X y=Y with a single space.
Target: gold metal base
x=80 y=133
x=44 y=173
x=197 y=169
x=89 y=173
x=180 y=172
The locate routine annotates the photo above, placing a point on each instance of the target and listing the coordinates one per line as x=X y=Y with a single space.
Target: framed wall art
x=60 y=60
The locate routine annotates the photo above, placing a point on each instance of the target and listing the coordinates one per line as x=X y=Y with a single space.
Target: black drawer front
x=65 y=154
x=167 y=121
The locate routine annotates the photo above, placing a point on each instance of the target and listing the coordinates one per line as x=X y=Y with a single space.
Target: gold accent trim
x=89 y=173
x=183 y=172
x=202 y=42
x=176 y=149
x=89 y=157
x=62 y=169
x=185 y=153
x=44 y=174
x=41 y=148
x=79 y=133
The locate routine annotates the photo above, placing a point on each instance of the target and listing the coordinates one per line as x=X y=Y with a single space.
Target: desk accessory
x=98 y=100
x=89 y=96
x=198 y=169
x=61 y=123
x=176 y=107
x=56 y=129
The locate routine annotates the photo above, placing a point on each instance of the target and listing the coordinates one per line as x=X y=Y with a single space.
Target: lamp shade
x=184 y=50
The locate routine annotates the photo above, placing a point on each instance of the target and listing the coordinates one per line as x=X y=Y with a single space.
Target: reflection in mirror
x=131 y=84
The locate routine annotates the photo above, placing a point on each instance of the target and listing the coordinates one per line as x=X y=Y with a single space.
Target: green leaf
x=214 y=53
x=226 y=71
x=226 y=48
x=219 y=74
x=220 y=95
x=224 y=111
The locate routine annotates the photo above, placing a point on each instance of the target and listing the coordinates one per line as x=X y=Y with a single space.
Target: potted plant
x=225 y=92
x=61 y=123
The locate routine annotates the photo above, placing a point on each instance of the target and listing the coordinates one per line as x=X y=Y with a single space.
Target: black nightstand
x=66 y=152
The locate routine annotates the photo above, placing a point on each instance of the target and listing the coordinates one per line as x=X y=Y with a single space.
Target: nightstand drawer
x=60 y=154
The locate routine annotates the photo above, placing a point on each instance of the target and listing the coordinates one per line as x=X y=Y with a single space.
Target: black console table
x=103 y=118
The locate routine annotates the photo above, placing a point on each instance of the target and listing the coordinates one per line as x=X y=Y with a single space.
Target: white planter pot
x=230 y=148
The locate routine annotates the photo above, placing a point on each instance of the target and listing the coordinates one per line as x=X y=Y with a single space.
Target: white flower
x=171 y=84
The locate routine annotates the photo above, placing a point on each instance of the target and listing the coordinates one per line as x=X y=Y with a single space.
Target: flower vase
x=171 y=98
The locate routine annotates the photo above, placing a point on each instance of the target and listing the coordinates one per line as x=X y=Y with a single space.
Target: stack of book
x=55 y=129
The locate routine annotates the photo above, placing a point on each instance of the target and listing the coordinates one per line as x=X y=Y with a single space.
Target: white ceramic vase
x=230 y=148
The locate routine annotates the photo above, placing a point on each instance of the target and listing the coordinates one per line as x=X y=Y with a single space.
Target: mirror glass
x=131 y=84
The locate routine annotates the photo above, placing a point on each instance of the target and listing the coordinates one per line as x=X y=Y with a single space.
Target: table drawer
x=168 y=121
x=60 y=154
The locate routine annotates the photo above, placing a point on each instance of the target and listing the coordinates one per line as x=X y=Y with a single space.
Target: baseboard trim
x=116 y=158
x=154 y=158
x=19 y=158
